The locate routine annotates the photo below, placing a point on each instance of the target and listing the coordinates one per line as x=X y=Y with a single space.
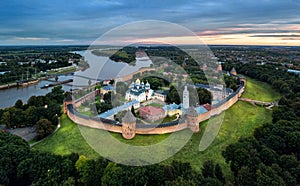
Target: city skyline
x=32 y=22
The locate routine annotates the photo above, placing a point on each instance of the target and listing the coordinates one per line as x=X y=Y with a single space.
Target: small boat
x=45 y=86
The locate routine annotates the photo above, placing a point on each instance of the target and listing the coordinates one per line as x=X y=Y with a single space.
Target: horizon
x=255 y=23
x=144 y=45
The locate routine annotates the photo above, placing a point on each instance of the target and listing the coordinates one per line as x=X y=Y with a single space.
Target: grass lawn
x=66 y=140
x=236 y=124
x=261 y=91
x=155 y=105
x=239 y=121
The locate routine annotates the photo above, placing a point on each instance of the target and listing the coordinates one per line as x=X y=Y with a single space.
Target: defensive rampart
x=114 y=126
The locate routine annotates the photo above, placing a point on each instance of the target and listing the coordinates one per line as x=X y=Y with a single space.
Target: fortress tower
x=192 y=119
x=128 y=125
x=68 y=100
x=233 y=71
x=185 y=99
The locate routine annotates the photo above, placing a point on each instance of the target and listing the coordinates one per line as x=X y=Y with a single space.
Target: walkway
x=257 y=102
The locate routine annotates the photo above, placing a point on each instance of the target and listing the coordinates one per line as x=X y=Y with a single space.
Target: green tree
x=43 y=128
x=204 y=96
x=283 y=113
x=208 y=169
x=56 y=94
x=13 y=150
x=86 y=170
x=173 y=96
x=31 y=114
x=132 y=110
x=121 y=88
x=6 y=119
x=113 y=175
x=112 y=81
x=219 y=174
x=19 y=104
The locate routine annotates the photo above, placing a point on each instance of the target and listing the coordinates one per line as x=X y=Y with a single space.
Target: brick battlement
x=113 y=126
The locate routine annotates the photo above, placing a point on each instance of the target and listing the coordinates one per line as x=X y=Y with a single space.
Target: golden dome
x=138 y=81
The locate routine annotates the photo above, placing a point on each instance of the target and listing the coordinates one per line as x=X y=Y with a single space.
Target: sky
x=72 y=22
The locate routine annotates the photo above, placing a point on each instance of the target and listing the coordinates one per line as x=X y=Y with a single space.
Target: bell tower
x=185 y=99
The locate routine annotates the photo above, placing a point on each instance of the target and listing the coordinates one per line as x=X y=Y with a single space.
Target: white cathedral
x=139 y=91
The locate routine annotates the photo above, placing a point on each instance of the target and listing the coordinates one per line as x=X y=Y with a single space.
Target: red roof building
x=207 y=106
x=152 y=113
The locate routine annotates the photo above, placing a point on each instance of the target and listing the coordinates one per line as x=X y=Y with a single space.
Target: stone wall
x=114 y=126
x=89 y=96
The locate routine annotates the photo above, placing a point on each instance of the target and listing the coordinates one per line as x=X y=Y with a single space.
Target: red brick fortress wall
x=113 y=126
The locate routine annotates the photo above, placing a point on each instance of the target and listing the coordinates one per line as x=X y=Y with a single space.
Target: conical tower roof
x=129 y=117
x=68 y=98
x=192 y=112
x=233 y=71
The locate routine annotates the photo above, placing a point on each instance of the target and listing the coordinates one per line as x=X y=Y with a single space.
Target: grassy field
x=66 y=140
x=239 y=121
x=258 y=90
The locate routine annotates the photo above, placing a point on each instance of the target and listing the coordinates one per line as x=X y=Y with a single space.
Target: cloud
x=84 y=21
x=31 y=38
x=276 y=35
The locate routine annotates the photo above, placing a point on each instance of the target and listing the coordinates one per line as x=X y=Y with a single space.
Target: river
x=100 y=67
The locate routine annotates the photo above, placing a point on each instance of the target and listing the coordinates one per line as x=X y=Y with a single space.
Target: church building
x=139 y=91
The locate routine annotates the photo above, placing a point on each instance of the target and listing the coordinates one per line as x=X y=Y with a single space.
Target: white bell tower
x=186 y=99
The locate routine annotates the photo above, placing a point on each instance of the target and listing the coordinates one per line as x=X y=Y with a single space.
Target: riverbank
x=25 y=84
x=8 y=85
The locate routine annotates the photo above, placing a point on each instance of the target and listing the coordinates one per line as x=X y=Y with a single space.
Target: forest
x=42 y=112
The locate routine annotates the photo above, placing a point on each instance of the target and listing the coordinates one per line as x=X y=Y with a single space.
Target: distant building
x=294 y=71
x=200 y=110
x=106 y=82
x=52 y=61
x=152 y=113
x=107 y=88
x=23 y=63
x=173 y=109
x=206 y=106
x=161 y=95
x=40 y=61
x=219 y=69
x=139 y=91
